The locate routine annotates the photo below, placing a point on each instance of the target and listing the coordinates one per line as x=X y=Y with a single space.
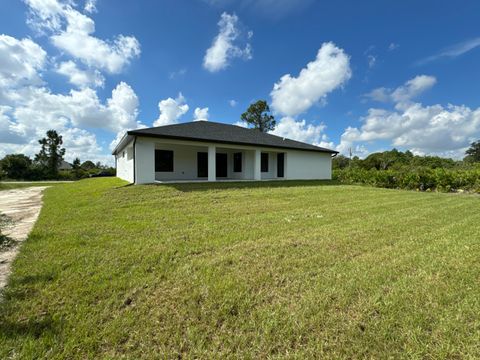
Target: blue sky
x=367 y=75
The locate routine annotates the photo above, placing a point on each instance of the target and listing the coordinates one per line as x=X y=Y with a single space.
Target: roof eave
x=138 y=133
x=122 y=143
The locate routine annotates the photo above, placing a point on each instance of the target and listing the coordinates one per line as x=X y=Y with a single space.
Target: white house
x=205 y=150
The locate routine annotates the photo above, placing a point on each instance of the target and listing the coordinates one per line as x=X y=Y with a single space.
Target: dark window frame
x=166 y=164
x=237 y=162
x=264 y=162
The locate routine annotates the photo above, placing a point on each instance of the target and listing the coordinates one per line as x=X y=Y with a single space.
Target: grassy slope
x=269 y=271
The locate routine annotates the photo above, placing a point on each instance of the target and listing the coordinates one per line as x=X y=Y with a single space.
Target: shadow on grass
x=204 y=186
x=44 y=325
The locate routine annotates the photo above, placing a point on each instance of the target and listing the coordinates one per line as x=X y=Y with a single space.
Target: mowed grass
x=270 y=270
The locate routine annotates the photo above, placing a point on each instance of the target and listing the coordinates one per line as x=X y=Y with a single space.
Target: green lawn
x=273 y=270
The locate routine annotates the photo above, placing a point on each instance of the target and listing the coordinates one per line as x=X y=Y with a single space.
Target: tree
x=76 y=164
x=473 y=152
x=340 y=162
x=88 y=165
x=16 y=166
x=51 y=153
x=258 y=115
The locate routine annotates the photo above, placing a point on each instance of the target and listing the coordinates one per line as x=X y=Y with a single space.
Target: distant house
x=65 y=166
x=209 y=151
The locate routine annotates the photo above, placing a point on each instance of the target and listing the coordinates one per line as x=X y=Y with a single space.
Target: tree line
x=404 y=170
x=47 y=163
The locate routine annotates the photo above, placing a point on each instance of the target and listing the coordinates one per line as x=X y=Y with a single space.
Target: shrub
x=417 y=178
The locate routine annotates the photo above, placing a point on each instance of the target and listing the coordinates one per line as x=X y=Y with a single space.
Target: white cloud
x=452 y=51
x=411 y=89
x=35 y=108
x=31 y=111
x=78 y=77
x=225 y=46
x=241 y=124
x=232 y=103
x=436 y=129
x=201 y=114
x=301 y=131
x=176 y=74
x=72 y=32
x=171 y=110
x=90 y=6
x=371 y=60
x=331 y=69
x=393 y=46
x=29 y=108
x=20 y=61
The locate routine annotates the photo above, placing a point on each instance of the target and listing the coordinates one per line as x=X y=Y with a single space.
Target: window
x=123 y=154
x=264 y=162
x=237 y=162
x=164 y=160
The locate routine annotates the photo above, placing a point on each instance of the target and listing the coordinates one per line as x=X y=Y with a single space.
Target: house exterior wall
x=144 y=161
x=308 y=165
x=125 y=163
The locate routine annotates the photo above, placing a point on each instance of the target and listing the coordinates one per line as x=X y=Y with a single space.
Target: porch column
x=212 y=151
x=257 y=174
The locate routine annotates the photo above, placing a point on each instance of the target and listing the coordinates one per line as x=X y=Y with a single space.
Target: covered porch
x=176 y=162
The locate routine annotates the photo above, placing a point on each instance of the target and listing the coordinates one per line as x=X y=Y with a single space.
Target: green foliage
x=258 y=115
x=76 y=164
x=403 y=170
x=419 y=178
x=473 y=153
x=16 y=166
x=51 y=153
x=88 y=165
x=5 y=241
x=21 y=167
x=394 y=159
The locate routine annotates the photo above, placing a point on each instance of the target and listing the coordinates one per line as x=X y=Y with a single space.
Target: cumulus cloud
x=23 y=124
x=78 y=77
x=20 y=61
x=435 y=129
x=171 y=110
x=201 y=114
x=302 y=131
x=232 y=103
x=28 y=107
x=71 y=32
x=38 y=108
x=227 y=44
x=411 y=89
x=292 y=96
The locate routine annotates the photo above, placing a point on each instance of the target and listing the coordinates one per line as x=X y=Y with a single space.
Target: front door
x=202 y=164
x=280 y=165
x=221 y=165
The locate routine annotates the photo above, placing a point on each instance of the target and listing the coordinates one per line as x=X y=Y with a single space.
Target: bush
x=419 y=178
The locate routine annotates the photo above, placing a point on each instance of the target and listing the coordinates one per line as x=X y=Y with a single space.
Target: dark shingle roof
x=209 y=131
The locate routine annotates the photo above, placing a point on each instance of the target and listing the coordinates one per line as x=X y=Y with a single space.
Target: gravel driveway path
x=22 y=206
